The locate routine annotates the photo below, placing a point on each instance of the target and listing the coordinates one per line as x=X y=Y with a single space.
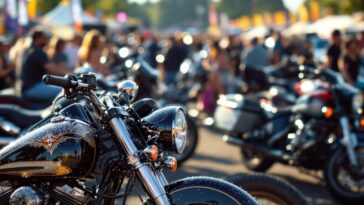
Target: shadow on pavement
x=316 y=193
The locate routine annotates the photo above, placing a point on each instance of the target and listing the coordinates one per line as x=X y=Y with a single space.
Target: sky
x=291 y=5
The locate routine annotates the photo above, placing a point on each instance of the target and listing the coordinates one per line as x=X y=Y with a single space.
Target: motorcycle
x=17 y=117
x=321 y=131
x=95 y=154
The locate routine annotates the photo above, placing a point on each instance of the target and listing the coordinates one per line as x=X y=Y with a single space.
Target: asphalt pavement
x=215 y=158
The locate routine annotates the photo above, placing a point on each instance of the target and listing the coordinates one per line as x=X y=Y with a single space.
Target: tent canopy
x=62 y=16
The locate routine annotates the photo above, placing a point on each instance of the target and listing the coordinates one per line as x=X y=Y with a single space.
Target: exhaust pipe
x=271 y=153
x=6 y=140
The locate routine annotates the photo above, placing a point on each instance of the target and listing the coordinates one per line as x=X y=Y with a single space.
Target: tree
x=237 y=8
x=342 y=7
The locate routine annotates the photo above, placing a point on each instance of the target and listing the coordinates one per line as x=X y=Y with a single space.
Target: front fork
x=350 y=140
x=153 y=182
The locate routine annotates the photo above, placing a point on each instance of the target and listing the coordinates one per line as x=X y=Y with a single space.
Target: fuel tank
x=58 y=147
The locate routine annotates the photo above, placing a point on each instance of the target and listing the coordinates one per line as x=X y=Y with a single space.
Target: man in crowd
x=174 y=58
x=256 y=56
x=334 y=51
x=35 y=65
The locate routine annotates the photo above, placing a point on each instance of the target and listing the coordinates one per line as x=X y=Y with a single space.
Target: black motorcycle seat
x=21 y=117
x=14 y=100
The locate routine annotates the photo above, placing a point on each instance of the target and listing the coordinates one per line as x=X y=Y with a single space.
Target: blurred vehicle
x=323 y=130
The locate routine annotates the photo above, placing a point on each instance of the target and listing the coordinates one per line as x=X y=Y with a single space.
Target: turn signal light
x=152 y=152
x=171 y=163
x=362 y=122
x=328 y=112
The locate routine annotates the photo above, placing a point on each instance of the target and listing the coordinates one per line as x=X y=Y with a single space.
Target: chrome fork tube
x=145 y=174
x=349 y=140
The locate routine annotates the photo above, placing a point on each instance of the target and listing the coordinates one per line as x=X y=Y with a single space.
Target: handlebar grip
x=57 y=81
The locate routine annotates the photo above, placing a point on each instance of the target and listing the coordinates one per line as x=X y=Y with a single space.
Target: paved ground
x=217 y=159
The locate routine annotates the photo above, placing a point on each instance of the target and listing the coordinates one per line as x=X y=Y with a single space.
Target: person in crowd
x=56 y=53
x=334 y=50
x=16 y=55
x=360 y=37
x=305 y=56
x=71 y=51
x=153 y=50
x=350 y=61
x=278 y=49
x=90 y=53
x=176 y=54
x=5 y=68
x=35 y=65
x=256 y=56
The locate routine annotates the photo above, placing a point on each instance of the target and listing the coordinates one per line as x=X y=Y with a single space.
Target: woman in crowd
x=56 y=53
x=90 y=53
x=350 y=62
x=5 y=68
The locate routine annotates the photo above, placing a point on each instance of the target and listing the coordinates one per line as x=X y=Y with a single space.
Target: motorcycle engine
x=304 y=135
x=33 y=196
x=26 y=195
x=68 y=195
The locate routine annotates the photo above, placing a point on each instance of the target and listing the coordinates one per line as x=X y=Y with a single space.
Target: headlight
x=358 y=101
x=179 y=131
x=172 y=126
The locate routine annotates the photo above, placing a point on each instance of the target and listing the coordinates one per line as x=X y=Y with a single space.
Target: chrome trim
x=349 y=140
x=145 y=173
x=9 y=127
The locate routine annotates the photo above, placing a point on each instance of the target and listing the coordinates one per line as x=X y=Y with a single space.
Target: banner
x=213 y=17
x=23 y=13
x=280 y=18
x=258 y=20
x=268 y=19
x=315 y=10
x=244 y=22
x=303 y=13
x=77 y=14
x=10 y=16
x=32 y=9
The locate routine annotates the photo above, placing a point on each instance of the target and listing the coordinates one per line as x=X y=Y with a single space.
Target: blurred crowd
x=23 y=61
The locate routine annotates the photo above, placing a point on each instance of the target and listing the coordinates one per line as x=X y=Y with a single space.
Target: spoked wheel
x=191 y=142
x=345 y=182
x=255 y=161
x=269 y=190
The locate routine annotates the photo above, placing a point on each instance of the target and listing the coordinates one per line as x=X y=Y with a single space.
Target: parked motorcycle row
x=100 y=137
x=312 y=120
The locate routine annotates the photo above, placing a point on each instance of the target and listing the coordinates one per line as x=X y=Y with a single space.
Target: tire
x=207 y=190
x=255 y=162
x=192 y=141
x=339 y=159
x=267 y=188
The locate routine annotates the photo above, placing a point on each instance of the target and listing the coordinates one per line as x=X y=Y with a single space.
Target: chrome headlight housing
x=171 y=124
x=358 y=102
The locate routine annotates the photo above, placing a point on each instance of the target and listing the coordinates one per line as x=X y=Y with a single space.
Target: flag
x=32 y=9
x=303 y=13
x=23 y=13
x=315 y=10
x=77 y=14
x=280 y=18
